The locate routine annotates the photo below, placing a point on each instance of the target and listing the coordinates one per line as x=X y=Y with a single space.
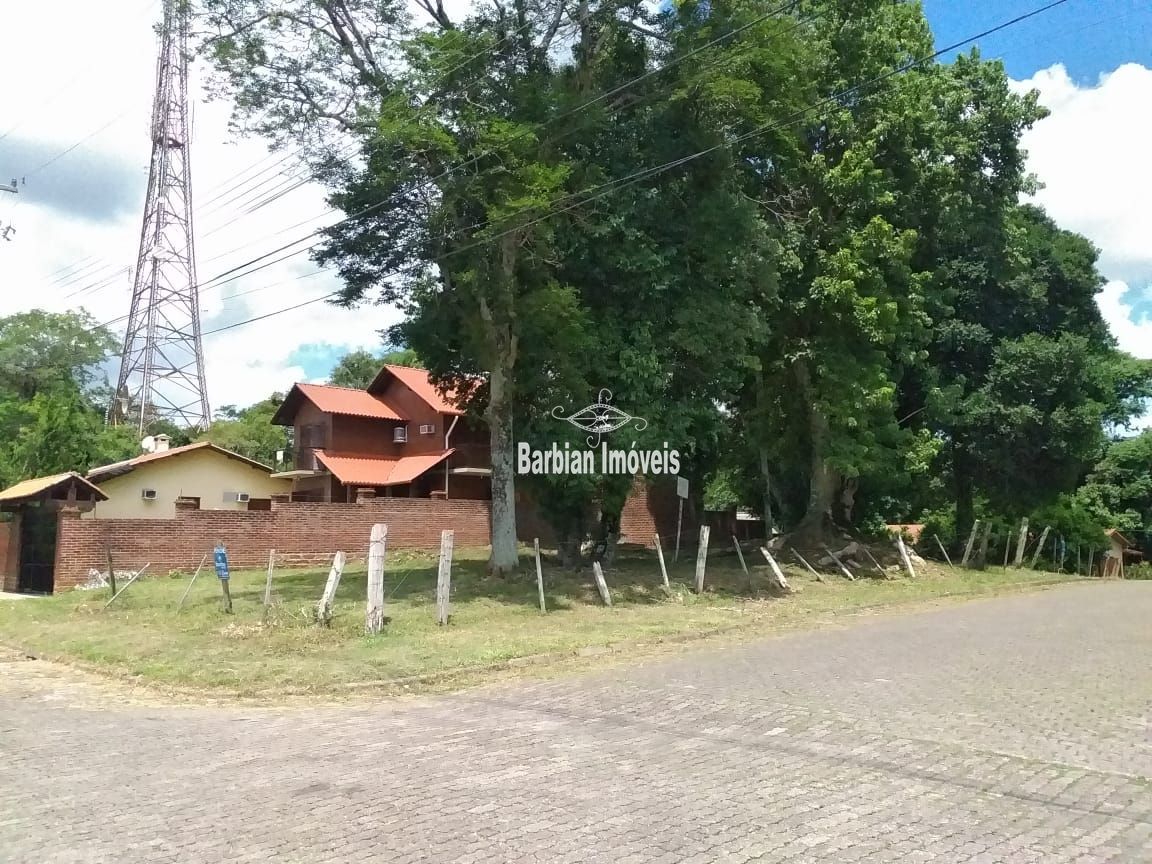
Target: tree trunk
x=766 y=473
x=503 y=559
x=962 y=482
x=499 y=319
x=822 y=480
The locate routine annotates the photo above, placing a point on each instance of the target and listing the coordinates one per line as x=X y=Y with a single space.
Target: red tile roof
x=380 y=471
x=344 y=400
x=418 y=382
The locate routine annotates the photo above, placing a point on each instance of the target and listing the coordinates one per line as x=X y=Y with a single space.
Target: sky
x=77 y=132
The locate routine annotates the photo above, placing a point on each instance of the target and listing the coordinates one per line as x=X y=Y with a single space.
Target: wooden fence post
x=942 y=549
x=601 y=585
x=663 y=568
x=904 y=556
x=971 y=543
x=848 y=573
x=743 y=565
x=539 y=575
x=377 y=545
x=111 y=570
x=124 y=588
x=324 y=607
x=444 y=578
x=982 y=556
x=1022 y=541
x=777 y=574
x=184 y=596
x=701 y=558
x=811 y=569
x=1040 y=546
x=881 y=570
x=268 y=586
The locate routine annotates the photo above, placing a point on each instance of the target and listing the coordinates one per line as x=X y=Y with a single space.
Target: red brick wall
x=10 y=553
x=651 y=509
x=301 y=533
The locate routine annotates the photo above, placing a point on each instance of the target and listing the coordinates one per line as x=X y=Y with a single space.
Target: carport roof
x=39 y=486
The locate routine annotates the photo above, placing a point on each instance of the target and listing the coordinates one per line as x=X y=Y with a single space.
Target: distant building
x=147 y=486
x=400 y=437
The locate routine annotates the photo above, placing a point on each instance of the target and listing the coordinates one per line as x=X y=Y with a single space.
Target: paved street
x=1007 y=730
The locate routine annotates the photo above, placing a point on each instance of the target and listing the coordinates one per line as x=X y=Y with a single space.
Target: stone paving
x=1008 y=730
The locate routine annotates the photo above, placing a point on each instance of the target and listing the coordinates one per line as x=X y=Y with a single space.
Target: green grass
x=141 y=636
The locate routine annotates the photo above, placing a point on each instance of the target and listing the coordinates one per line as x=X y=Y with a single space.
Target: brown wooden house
x=399 y=438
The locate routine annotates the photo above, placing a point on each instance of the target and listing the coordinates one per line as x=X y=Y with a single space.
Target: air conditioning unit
x=428 y=429
x=242 y=497
x=148 y=494
x=400 y=435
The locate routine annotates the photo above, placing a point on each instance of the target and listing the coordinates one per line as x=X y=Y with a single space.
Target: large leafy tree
x=452 y=176
x=1118 y=491
x=52 y=396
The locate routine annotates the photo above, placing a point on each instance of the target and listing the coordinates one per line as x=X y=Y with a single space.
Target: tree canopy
x=785 y=235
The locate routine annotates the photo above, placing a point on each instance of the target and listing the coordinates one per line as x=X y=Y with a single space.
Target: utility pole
x=6 y=231
x=162 y=361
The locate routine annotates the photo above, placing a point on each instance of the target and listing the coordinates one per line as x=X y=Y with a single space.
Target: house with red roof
x=400 y=437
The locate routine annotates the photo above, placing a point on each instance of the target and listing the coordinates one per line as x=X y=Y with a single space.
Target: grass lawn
x=141 y=636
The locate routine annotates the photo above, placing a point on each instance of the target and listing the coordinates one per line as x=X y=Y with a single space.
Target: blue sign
x=220 y=557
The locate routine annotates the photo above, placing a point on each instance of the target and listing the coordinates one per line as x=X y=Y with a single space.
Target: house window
x=312 y=435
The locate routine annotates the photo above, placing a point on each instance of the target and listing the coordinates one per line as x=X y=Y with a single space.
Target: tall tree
x=454 y=177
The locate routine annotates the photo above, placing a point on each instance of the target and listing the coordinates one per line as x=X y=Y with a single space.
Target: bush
x=1139 y=571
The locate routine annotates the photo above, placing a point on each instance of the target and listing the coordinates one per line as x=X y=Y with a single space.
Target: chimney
x=162 y=442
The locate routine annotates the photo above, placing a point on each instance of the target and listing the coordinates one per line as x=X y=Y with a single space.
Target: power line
x=711 y=43
x=612 y=186
x=615 y=185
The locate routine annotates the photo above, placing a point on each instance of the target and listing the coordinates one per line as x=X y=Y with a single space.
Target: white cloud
x=1092 y=156
x=88 y=203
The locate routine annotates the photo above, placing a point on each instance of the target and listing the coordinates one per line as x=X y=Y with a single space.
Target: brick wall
x=301 y=533
x=10 y=553
x=651 y=508
x=306 y=534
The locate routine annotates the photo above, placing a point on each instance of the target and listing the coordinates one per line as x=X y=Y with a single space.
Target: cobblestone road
x=1008 y=730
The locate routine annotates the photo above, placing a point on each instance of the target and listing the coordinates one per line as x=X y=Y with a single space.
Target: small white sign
x=682 y=487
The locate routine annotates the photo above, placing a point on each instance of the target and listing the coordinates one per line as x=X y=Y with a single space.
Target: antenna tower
x=162 y=363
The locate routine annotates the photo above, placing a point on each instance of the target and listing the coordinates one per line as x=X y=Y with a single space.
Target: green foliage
x=358 y=368
x=720 y=491
x=51 y=407
x=1118 y=492
x=844 y=313
x=250 y=431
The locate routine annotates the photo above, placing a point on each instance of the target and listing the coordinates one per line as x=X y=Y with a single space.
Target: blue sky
x=1088 y=37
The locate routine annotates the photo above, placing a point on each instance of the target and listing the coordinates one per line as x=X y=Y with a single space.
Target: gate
x=37 y=550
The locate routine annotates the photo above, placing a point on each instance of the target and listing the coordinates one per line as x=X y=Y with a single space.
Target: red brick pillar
x=68 y=571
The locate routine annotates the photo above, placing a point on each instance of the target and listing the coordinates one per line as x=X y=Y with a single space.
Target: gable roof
x=1114 y=534
x=37 y=486
x=334 y=400
x=106 y=472
x=419 y=382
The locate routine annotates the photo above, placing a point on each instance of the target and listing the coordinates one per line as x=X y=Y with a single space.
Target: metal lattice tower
x=162 y=364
